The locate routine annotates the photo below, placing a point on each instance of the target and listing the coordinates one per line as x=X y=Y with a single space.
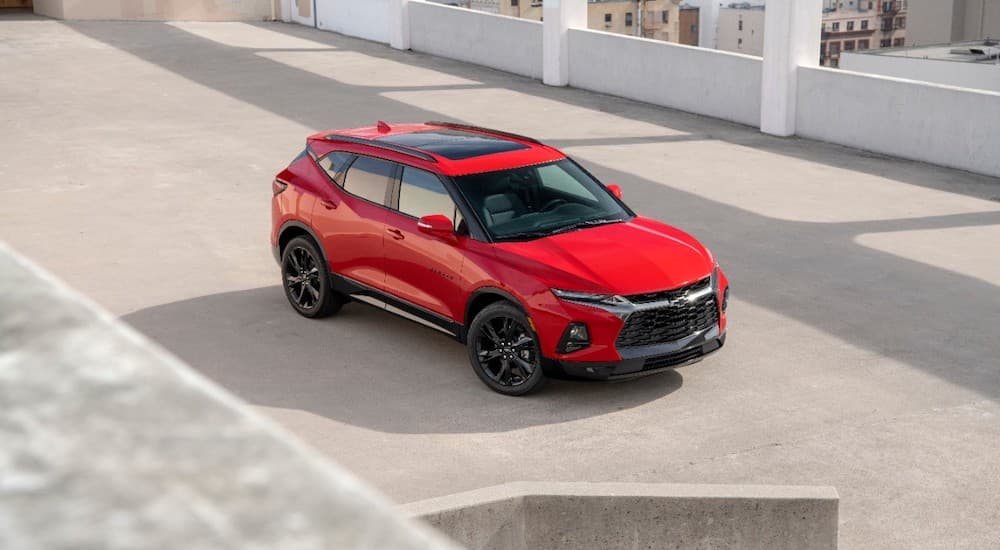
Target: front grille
x=672 y=359
x=670 y=323
x=671 y=295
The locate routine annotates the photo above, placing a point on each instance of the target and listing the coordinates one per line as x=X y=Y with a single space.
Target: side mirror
x=436 y=224
x=615 y=190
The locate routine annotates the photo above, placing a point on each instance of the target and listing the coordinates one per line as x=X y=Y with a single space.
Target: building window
x=739 y=43
x=666 y=16
x=834 y=48
x=628 y=19
x=864 y=44
x=850 y=25
x=864 y=25
x=607 y=18
x=900 y=22
x=849 y=46
x=740 y=24
x=836 y=27
x=513 y=3
x=885 y=43
x=898 y=43
x=822 y=49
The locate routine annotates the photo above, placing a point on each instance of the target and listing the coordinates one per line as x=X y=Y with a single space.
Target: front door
x=423 y=269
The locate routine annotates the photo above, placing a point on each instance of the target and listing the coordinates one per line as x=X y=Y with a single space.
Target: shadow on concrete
x=932 y=319
x=365 y=367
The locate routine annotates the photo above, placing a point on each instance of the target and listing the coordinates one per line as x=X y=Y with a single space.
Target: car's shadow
x=364 y=367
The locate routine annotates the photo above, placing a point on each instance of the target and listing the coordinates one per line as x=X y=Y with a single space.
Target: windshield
x=536 y=201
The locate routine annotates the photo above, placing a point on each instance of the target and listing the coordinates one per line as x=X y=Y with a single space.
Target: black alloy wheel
x=306 y=280
x=504 y=350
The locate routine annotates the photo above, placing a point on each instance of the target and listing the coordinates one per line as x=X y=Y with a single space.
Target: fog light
x=575 y=338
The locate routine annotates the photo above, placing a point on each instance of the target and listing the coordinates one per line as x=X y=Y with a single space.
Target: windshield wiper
x=588 y=223
x=524 y=235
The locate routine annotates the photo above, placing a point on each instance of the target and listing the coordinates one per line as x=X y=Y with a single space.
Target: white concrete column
x=708 y=21
x=399 y=24
x=559 y=16
x=791 y=40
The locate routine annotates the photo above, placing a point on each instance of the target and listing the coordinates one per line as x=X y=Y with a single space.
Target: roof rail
x=458 y=126
x=416 y=153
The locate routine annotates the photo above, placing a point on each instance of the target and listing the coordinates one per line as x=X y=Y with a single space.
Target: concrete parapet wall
x=108 y=442
x=945 y=125
x=978 y=76
x=707 y=82
x=365 y=19
x=505 y=43
x=159 y=10
x=612 y=516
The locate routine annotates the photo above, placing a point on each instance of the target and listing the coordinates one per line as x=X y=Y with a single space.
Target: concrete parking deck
x=136 y=160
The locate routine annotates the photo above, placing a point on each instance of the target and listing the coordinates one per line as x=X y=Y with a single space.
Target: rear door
x=352 y=224
x=423 y=269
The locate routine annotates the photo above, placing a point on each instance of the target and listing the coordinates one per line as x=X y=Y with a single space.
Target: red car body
x=444 y=279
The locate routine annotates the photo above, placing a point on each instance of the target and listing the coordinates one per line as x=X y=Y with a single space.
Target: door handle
x=328 y=204
x=396 y=234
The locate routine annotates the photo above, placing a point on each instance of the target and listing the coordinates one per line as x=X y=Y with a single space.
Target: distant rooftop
x=980 y=51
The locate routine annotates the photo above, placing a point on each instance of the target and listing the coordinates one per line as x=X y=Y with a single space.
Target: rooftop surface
x=862 y=350
x=981 y=51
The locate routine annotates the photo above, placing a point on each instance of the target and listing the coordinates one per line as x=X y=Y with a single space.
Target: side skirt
x=382 y=300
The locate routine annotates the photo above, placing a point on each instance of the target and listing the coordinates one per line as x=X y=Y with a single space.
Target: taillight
x=277 y=186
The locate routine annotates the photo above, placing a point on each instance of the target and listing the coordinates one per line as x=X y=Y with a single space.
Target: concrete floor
x=864 y=353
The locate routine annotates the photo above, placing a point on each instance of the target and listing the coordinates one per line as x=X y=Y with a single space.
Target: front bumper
x=643 y=360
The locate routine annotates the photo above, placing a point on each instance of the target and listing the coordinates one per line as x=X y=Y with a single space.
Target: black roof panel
x=455 y=144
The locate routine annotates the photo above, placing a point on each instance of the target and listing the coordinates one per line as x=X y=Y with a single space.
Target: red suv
x=500 y=241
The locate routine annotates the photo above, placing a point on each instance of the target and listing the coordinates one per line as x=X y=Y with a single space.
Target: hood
x=626 y=258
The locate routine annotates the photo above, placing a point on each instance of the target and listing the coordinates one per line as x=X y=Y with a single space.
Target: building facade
x=656 y=19
x=859 y=25
x=848 y=25
x=740 y=29
x=944 y=21
x=690 y=21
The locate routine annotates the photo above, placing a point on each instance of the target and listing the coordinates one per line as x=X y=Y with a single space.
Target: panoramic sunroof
x=454 y=144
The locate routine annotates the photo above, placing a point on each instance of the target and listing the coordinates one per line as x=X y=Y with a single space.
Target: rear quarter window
x=369 y=179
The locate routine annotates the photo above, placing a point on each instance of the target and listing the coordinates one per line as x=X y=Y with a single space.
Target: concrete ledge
x=636 y=515
x=108 y=442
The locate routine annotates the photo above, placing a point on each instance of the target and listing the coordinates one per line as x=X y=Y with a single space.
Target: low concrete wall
x=708 y=82
x=368 y=19
x=505 y=43
x=108 y=442
x=980 y=76
x=954 y=127
x=613 y=516
x=159 y=10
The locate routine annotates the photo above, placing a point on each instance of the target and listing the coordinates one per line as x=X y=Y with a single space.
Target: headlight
x=589 y=298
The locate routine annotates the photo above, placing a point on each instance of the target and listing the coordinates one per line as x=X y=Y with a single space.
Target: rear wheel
x=504 y=350
x=306 y=280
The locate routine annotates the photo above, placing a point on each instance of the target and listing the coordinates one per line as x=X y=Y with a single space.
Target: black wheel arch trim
x=299 y=225
x=491 y=290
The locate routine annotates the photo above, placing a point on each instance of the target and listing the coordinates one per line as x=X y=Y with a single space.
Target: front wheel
x=504 y=351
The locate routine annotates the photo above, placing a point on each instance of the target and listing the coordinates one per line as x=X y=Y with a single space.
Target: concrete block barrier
x=612 y=516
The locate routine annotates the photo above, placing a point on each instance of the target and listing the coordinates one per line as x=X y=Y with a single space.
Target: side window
x=368 y=178
x=422 y=194
x=334 y=163
x=555 y=177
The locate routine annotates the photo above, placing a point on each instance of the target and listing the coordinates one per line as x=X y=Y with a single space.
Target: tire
x=306 y=280
x=503 y=348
